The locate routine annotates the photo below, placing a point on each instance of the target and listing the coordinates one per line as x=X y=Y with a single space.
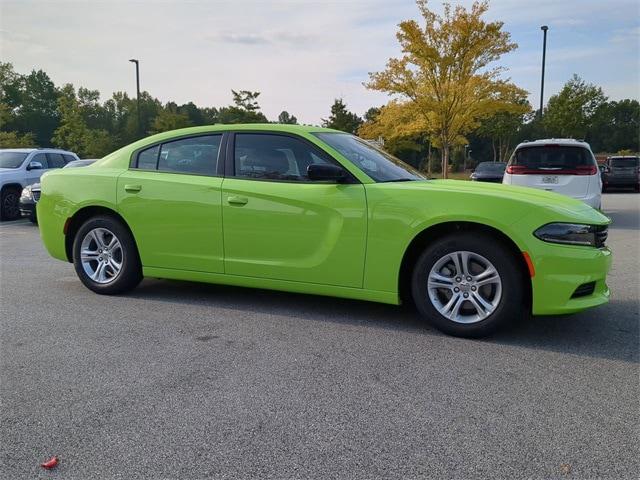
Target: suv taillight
x=581 y=170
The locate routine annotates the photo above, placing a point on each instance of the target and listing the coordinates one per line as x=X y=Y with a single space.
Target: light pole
x=133 y=60
x=544 y=29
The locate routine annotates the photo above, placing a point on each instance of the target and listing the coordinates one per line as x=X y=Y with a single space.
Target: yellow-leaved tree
x=443 y=84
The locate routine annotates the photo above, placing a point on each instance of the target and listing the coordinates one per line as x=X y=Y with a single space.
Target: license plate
x=550 y=179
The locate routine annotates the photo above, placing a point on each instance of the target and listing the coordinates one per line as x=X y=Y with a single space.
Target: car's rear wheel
x=468 y=285
x=10 y=207
x=105 y=256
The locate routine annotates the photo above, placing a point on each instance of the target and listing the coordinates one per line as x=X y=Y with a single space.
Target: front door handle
x=235 y=200
x=132 y=188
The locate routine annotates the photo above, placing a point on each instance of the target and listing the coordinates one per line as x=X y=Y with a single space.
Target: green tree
x=169 y=118
x=570 y=112
x=246 y=100
x=286 y=118
x=341 y=118
x=616 y=126
x=502 y=128
x=71 y=134
x=444 y=81
x=16 y=140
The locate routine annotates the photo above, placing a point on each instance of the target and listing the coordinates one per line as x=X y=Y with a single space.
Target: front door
x=280 y=225
x=171 y=200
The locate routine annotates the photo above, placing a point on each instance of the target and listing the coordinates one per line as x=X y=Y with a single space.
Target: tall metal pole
x=138 y=93
x=544 y=28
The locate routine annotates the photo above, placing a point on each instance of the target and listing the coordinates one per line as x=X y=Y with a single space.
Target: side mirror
x=326 y=172
x=34 y=166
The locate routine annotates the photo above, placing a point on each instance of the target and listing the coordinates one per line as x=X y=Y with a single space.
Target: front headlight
x=573 y=234
x=26 y=193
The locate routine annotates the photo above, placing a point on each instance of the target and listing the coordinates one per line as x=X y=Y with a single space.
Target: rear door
x=624 y=168
x=564 y=169
x=278 y=224
x=170 y=197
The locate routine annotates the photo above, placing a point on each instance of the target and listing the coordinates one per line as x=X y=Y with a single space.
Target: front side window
x=55 y=160
x=12 y=159
x=274 y=157
x=377 y=164
x=40 y=158
x=196 y=155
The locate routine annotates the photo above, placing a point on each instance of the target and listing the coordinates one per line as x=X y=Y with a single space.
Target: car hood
x=531 y=198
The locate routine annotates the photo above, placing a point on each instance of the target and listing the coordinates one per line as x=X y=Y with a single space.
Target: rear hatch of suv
x=624 y=167
x=565 y=169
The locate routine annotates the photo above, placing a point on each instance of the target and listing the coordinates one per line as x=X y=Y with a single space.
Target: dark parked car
x=31 y=193
x=621 y=172
x=489 y=172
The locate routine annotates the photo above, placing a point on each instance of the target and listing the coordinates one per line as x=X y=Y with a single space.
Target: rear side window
x=548 y=157
x=274 y=157
x=196 y=156
x=148 y=159
x=68 y=158
x=56 y=160
x=624 y=162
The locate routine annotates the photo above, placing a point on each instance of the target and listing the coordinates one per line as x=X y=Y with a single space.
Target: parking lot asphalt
x=182 y=380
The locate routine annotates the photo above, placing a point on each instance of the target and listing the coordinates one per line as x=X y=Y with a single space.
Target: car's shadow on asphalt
x=610 y=332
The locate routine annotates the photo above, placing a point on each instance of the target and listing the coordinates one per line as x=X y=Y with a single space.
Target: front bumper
x=28 y=208
x=560 y=270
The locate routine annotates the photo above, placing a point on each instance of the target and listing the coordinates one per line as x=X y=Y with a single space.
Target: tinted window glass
x=40 y=158
x=377 y=164
x=552 y=157
x=274 y=157
x=624 y=162
x=148 y=159
x=196 y=155
x=491 y=167
x=12 y=159
x=55 y=160
x=68 y=158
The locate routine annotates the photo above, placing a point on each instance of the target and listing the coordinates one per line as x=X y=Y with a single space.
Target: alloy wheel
x=464 y=287
x=101 y=255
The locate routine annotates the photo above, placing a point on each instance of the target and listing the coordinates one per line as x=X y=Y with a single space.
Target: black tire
x=10 y=206
x=130 y=273
x=510 y=304
x=637 y=188
x=33 y=219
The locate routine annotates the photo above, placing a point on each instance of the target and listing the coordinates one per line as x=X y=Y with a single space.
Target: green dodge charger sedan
x=318 y=211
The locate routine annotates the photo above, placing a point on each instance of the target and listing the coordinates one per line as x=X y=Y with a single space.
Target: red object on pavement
x=51 y=463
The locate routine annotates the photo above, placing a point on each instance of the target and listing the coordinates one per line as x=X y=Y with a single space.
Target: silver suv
x=20 y=167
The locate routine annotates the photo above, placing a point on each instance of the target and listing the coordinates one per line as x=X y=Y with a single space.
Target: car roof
x=622 y=156
x=569 y=142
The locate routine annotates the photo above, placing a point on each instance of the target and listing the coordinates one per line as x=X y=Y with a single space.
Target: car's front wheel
x=105 y=256
x=10 y=208
x=468 y=285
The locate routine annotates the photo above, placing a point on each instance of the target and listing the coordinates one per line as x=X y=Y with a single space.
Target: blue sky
x=299 y=54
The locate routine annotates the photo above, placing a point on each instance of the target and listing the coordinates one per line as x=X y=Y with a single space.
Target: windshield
x=624 y=162
x=491 y=167
x=552 y=157
x=379 y=165
x=12 y=159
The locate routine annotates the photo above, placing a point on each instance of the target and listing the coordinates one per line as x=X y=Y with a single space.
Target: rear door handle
x=235 y=200
x=132 y=188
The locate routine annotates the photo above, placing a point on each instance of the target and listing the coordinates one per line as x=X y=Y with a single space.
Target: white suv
x=562 y=165
x=20 y=167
